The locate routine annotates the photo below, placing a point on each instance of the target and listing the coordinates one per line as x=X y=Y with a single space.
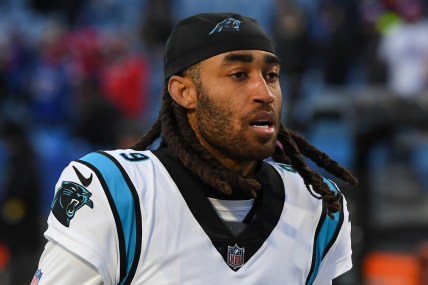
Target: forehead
x=243 y=56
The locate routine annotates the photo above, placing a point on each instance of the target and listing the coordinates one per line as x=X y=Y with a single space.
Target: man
x=204 y=208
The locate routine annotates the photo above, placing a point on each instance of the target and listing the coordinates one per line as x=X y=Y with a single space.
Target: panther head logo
x=69 y=198
x=228 y=24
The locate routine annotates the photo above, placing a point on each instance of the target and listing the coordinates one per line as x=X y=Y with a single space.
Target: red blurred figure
x=124 y=77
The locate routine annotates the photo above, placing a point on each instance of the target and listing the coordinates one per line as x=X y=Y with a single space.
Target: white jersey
x=140 y=217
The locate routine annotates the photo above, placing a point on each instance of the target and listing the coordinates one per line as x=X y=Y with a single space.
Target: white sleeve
x=338 y=259
x=81 y=221
x=59 y=266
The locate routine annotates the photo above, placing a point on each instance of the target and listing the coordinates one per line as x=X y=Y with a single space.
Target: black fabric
x=261 y=220
x=208 y=34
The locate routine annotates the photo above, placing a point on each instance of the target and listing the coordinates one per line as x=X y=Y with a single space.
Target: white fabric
x=79 y=238
x=56 y=262
x=335 y=262
x=62 y=267
x=175 y=249
x=232 y=210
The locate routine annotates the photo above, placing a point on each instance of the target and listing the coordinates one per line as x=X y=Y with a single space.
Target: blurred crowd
x=78 y=76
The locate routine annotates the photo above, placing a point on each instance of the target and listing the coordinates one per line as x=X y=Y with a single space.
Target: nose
x=261 y=92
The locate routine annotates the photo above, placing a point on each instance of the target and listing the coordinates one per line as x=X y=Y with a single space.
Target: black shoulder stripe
x=128 y=223
x=338 y=227
x=115 y=215
x=326 y=233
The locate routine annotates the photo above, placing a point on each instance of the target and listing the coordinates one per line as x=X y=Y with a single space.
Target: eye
x=239 y=75
x=272 y=76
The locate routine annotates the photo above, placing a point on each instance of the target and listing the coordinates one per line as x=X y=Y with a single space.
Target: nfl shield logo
x=235 y=256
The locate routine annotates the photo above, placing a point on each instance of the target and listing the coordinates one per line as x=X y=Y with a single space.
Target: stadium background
x=78 y=76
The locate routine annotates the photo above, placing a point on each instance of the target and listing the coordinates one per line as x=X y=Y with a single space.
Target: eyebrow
x=248 y=58
x=238 y=57
x=272 y=59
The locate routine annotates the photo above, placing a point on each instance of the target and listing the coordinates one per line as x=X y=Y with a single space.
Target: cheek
x=278 y=107
x=235 y=116
x=278 y=98
x=219 y=120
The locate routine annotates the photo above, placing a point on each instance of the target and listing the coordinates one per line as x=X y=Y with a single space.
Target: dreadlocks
x=172 y=124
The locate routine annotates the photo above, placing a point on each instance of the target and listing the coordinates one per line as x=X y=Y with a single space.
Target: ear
x=182 y=91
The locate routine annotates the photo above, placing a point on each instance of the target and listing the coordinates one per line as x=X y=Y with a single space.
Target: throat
x=247 y=169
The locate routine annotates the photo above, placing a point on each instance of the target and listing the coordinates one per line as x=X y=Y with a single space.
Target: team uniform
x=141 y=217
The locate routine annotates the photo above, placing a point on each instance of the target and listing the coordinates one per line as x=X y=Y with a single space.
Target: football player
x=226 y=198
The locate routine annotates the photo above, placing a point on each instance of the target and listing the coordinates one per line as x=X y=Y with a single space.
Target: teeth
x=261 y=126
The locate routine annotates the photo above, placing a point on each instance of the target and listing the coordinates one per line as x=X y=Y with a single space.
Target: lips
x=263 y=122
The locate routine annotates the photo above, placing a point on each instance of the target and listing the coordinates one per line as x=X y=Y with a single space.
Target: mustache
x=265 y=108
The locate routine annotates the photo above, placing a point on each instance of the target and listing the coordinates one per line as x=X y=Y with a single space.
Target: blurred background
x=78 y=76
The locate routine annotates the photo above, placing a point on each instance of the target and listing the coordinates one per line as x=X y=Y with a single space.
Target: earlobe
x=182 y=91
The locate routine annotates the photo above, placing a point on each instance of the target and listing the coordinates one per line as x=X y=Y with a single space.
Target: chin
x=260 y=152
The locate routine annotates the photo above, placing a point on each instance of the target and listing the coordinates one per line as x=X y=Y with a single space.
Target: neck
x=244 y=168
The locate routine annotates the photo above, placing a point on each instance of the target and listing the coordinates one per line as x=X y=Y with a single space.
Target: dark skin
x=235 y=113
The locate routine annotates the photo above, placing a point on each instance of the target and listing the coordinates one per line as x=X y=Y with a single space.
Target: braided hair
x=173 y=127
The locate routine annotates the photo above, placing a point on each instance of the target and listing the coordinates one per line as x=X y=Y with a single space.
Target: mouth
x=263 y=123
x=72 y=207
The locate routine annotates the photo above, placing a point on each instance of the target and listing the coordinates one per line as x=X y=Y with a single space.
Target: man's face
x=238 y=108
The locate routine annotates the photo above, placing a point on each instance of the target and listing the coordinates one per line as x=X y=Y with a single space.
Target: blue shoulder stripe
x=125 y=206
x=325 y=235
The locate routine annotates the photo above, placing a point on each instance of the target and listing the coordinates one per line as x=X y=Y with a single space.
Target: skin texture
x=234 y=107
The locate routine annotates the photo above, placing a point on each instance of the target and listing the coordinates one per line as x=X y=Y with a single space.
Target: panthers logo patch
x=69 y=198
x=228 y=24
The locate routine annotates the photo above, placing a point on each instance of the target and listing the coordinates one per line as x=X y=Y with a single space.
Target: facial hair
x=215 y=125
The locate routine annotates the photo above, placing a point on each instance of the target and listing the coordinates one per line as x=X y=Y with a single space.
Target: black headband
x=202 y=36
